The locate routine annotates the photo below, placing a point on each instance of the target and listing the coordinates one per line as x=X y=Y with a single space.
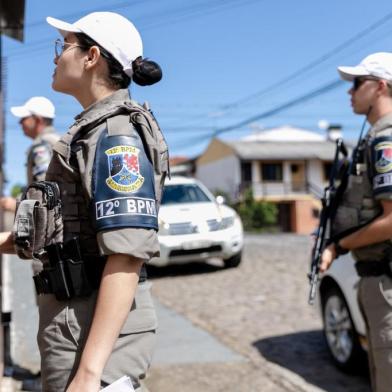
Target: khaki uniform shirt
x=74 y=167
x=377 y=184
x=40 y=154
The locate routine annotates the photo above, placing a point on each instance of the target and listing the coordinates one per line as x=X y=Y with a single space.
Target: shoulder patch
x=123 y=184
x=381 y=157
x=124 y=168
x=41 y=154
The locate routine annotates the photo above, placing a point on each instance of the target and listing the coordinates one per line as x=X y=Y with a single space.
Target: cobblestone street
x=260 y=311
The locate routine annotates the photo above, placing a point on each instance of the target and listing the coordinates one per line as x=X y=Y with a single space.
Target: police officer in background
x=102 y=191
x=367 y=205
x=36 y=119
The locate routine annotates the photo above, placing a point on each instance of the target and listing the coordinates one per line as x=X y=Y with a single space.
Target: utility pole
x=2 y=123
x=12 y=25
x=2 y=126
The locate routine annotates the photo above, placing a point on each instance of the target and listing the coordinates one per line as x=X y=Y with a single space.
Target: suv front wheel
x=340 y=334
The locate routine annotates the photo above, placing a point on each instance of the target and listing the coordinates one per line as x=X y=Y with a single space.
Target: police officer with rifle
x=362 y=220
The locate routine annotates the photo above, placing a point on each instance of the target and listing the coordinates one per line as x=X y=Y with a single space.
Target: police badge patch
x=123 y=193
x=124 y=169
x=383 y=157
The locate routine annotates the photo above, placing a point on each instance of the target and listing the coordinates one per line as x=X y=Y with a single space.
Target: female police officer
x=105 y=176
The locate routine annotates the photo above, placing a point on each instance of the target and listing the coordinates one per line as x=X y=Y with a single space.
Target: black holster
x=65 y=275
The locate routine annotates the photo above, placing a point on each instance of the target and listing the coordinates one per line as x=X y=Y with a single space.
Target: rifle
x=329 y=204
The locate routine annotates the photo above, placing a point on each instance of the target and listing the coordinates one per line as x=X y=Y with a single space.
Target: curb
x=289 y=379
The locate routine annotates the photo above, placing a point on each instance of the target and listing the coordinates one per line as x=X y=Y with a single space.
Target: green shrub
x=257 y=215
x=16 y=190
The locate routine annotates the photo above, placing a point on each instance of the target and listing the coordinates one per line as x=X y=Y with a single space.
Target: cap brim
x=350 y=73
x=62 y=27
x=20 y=111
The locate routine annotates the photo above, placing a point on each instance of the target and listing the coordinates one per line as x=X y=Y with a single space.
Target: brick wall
x=303 y=218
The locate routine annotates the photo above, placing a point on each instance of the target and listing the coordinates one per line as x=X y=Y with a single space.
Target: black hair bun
x=146 y=72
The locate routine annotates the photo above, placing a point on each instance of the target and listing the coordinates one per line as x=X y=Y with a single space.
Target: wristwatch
x=339 y=250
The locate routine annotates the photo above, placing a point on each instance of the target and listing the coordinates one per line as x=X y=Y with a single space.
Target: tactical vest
x=47 y=138
x=73 y=158
x=358 y=206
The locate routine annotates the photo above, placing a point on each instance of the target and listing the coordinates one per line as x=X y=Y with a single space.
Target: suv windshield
x=183 y=193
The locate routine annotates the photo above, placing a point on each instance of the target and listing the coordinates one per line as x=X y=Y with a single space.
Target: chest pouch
x=356 y=206
x=38 y=220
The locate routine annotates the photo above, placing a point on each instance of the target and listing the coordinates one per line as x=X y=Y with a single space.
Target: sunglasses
x=357 y=82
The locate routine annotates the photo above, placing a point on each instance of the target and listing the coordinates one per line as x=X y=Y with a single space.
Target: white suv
x=344 y=327
x=194 y=226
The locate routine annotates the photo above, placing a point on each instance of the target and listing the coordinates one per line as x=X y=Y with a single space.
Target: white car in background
x=344 y=327
x=194 y=226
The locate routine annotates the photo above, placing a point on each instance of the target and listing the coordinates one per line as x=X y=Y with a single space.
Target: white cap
x=378 y=65
x=112 y=31
x=38 y=106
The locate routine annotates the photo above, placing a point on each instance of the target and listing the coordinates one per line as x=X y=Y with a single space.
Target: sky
x=223 y=62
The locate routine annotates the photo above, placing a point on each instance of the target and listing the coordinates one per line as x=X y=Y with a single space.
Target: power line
x=38 y=44
x=116 y=6
x=299 y=73
x=162 y=18
x=197 y=139
x=207 y=9
x=169 y=129
x=312 y=64
x=306 y=97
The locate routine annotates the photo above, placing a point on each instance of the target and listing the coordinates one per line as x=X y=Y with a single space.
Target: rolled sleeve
x=140 y=243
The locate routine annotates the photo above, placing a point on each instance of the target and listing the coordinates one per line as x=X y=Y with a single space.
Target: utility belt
x=38 y=234
x=68 y=275
x=373 y=268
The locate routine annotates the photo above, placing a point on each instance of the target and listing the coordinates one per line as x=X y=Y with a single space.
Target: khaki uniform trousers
x=64 y=326
x=375 y=300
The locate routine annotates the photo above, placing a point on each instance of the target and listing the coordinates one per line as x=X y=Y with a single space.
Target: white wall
x=256 y=172
x=223 y=174
x=287 y=172
x=315 y=173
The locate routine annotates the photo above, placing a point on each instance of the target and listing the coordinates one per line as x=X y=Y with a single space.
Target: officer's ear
x=383 y=87
x=93 y=56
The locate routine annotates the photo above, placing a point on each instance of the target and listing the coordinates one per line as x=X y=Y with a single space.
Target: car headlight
x=164 y=228
x=227 y=222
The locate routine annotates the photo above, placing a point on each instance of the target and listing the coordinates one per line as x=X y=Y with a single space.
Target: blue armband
x=123 y=184
x=41 y=154
x=381 y=160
